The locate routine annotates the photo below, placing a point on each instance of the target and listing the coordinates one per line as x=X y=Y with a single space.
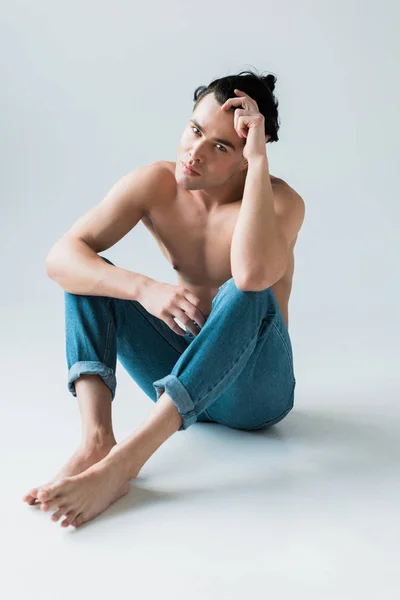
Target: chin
x=184 y=180
x=184 y=183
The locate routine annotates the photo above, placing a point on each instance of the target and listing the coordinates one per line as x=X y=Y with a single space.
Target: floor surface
x=306 y=509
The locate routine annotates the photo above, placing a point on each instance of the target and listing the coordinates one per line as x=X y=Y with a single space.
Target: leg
x=204 y=375
x=95 y=326
x=239 y=369
x=258 y=392
x=100 y=329
x=86 y=495
x=94 y=400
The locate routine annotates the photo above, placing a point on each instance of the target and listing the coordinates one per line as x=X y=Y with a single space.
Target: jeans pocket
x=286 y=344
x=219 y=290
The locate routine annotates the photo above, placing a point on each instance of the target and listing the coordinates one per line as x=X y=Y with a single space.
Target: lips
x=190 y=168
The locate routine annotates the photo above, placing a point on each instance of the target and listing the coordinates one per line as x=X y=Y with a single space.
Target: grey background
x=91 y=90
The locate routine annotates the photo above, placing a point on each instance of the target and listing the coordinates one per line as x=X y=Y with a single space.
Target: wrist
x=261 y=159
x=141 y=284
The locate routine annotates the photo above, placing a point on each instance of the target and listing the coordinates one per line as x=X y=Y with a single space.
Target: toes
x=30 y=498
x=49 y=492
x=59 y=513
x=45 y=494
x=69 y=517
x=53 y=503
x=38 y=492
x=79 y=519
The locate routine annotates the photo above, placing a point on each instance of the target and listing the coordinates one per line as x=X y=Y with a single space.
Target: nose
x=196 y=153
x=193 y=161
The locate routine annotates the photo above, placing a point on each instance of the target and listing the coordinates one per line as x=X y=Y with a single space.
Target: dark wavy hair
x=259 y=87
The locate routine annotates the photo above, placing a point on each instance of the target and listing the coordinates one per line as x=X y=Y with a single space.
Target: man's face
x=206 y=145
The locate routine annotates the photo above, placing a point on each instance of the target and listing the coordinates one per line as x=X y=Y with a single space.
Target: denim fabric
x=238 y=371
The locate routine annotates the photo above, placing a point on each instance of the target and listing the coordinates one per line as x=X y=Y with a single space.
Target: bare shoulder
x=128 y=201
x=163 y=180
x=166 y=169
x=160 y=169
x=289 y=205
x=284 y=185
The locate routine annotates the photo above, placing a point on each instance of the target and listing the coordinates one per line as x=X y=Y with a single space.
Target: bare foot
x=82 y=497
x=83 y=458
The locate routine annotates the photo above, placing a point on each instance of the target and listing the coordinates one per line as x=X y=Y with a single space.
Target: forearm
x=255 y=241
x=78 y=269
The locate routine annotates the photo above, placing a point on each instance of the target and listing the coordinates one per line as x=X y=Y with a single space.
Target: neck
x=228 y=192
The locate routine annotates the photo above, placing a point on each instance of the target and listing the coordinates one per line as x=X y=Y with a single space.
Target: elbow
x=260 y=282
x=253 y=286
x=54 y=258
x=52 y=262
x=50 y=267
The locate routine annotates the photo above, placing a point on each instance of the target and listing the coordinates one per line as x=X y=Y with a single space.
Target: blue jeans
x=238 y=371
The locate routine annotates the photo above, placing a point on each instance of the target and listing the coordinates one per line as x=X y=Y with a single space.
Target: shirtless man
x=192 y=216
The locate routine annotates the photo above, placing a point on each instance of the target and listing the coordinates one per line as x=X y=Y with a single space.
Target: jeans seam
x=288 y=353
x=135 y=304
x=107 y=348
x=207 y=415
x=159 y=332
x=230 y=368
x=287 y=410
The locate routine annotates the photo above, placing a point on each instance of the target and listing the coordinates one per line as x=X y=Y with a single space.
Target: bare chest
x=197 y=245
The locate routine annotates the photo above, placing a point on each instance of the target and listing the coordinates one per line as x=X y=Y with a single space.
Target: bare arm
x=79 y=270
x=73 y=261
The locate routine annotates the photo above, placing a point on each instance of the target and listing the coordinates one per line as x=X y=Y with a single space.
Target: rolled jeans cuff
x=179 y=396
x=90 y=367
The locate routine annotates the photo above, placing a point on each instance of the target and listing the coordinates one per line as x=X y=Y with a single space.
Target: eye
x=222 y=147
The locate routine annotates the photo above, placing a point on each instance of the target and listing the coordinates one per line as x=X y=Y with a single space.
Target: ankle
x=98 y=438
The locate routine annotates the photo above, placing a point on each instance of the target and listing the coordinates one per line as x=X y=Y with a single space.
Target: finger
x=244 y=95
x=245 y=101
x=242 y=125
x=194 y=313
x=238 y=121
x=232 y=102
x=191 y=297
x=174 y=326
x=186 y=320
x=199 y=318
